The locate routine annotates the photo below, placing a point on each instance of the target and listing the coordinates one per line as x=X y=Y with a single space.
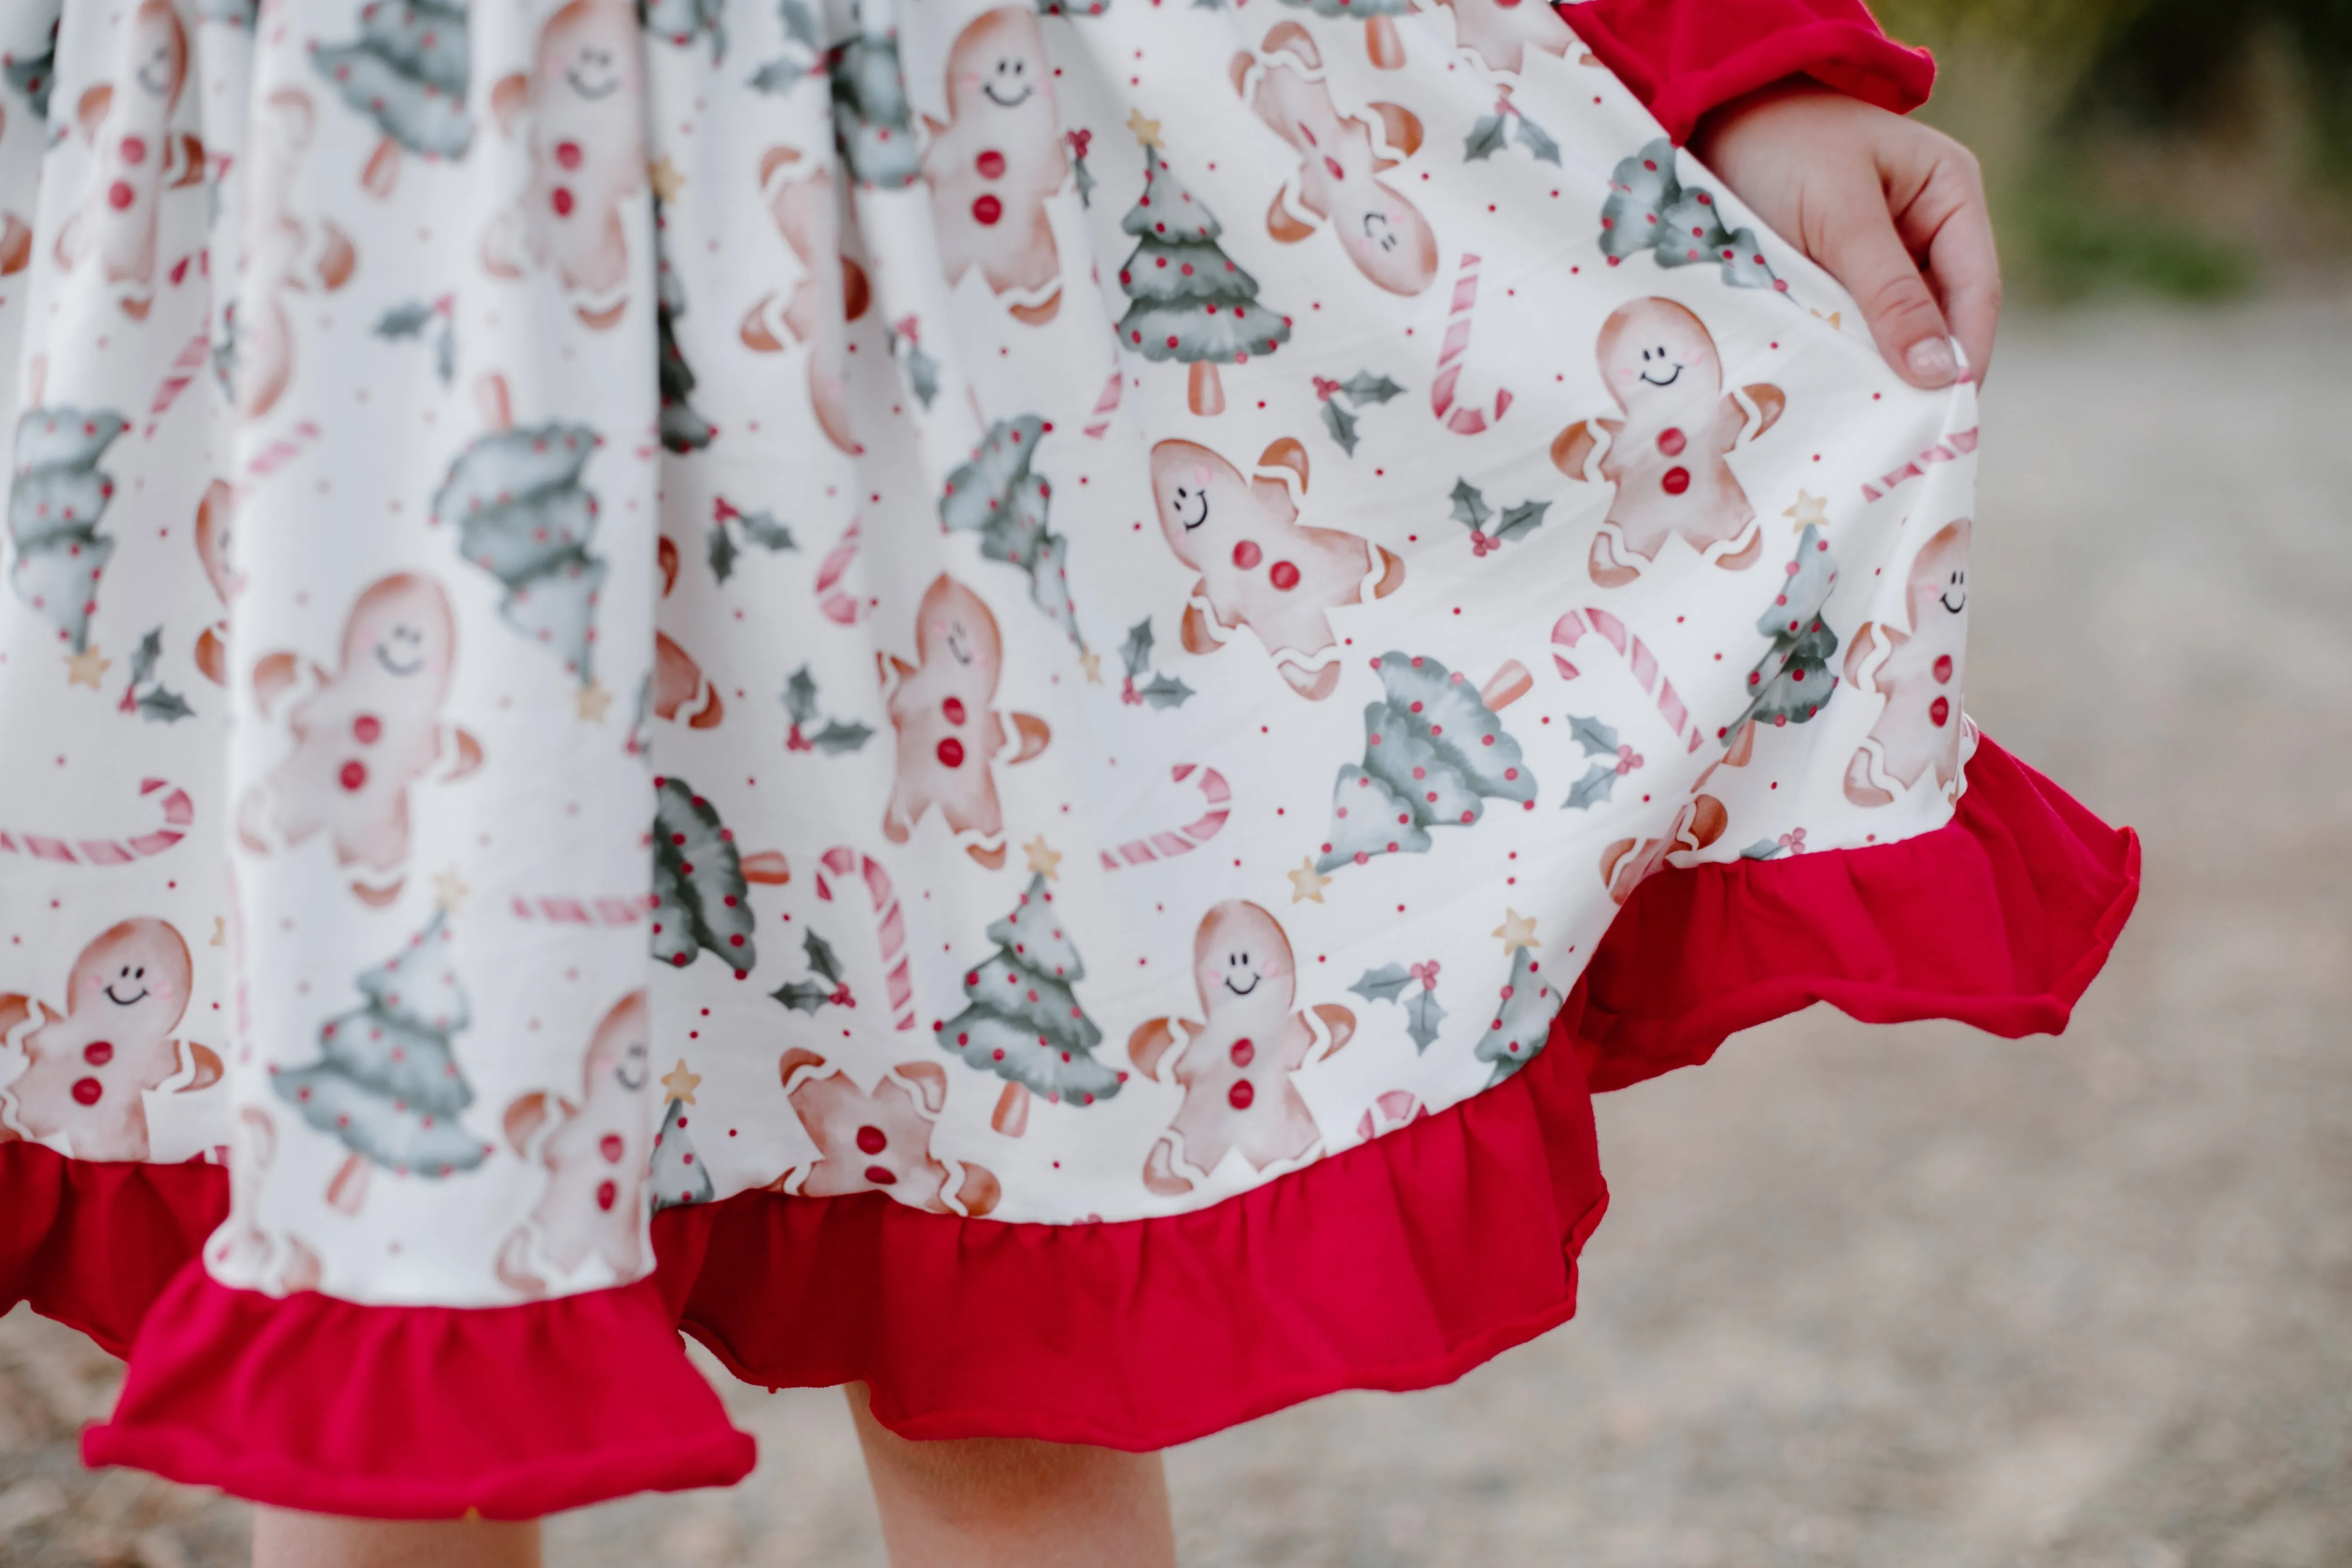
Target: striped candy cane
x=838 y=604
x=1950 y=449
x=280 y=453
x=179 y=810
x=184 y=369
x=1571 y=627
x=568 y=912
x=1106 y=405
x=1185 y=839
x=1463 y=420
x=889 y=924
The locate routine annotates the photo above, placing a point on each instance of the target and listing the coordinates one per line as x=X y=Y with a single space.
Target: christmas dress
x=1009 y=700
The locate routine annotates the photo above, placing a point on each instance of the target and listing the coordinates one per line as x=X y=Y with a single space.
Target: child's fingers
x=1966 y=269
x=1858 y=243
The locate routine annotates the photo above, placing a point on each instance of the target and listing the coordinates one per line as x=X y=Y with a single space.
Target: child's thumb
x=1862 y=250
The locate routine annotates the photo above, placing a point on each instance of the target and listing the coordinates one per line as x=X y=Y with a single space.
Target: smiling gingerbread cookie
x=88 y=1068
x=138 y=157
x=1259 y=568
x=1921 y=672
x=996 y=159
x=596 y=1159
x=1665 y=456
x=950 y=732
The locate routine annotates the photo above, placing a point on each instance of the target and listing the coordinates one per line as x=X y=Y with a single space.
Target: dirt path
x=1909 y=1297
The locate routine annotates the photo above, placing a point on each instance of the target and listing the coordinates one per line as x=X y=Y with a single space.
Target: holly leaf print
x=800 y=696
x=1385 y=983
x=1341 y=424
x=1365 y=387
x=1598 y=785
x=1470 y=506
x=1165 y=691
x=1522 y=519
x=800 y=23
x=445 y=356
x=1421 y=1017
x=1086 y=190
x=837 y=737
x=821 y=957
x=1598 y=739
x=762 y=529
x=803 y=995
x=1764 y=849
x=1485 y=138
x=1539 y=141
x=165 y=706
x=1136 y=652
x=723 y=554
x=143 y=662
x=922 y=374
x=405 y=321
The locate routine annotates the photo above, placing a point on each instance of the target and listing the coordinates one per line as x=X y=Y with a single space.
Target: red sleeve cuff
x=1684 y=58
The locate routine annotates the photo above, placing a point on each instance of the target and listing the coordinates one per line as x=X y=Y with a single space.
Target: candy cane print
x=839 y=604
x=1571 y=627
x=889 y=924
x=1106 y=405
x=280 y=452
x=561 y=911
x=1184 y=840
x=179 y=810
x=1950 y=449
x=185 y=367
x=1463 y=420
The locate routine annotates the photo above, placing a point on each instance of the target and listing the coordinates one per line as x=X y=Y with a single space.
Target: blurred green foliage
x=2136 y=145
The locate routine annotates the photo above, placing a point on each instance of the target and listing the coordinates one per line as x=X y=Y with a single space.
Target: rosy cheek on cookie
x=162 y=990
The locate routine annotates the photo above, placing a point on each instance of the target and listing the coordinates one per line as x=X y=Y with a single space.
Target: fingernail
x=1932 y=360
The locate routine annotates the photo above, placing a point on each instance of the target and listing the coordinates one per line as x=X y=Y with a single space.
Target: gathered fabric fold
x=92 y=1242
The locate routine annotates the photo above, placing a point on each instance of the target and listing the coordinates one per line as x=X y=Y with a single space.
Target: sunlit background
x=1915 y=1297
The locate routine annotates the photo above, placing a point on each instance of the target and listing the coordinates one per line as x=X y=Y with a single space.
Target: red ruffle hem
x=1398 y=1264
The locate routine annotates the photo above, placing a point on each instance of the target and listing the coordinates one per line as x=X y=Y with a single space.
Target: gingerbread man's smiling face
x=401 y=634
x=132 y=980
x=1205 y=506
x=1939 y=577
x=159 y=53
x=587 y=50
x=619 y=1057
x=952 y=624
x=1386 y=235
x=1240 y=956
x=1654 y=352
x=999 y=61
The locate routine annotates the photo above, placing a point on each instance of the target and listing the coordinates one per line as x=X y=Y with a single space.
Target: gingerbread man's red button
x=1671 y=441
x=951 y=753
x=986 y=209
x=120 y=195
x=1675 y=481
x=1283 y=576
x=134 y=149
x=1247 y=555
x=872 y=1141
x=991 y=165
x=568 y=154
x=952 y=710
x=367 y=729
x=353 y=775
x=1943 y=670
x=560 y=200
x=612 y=1148
x=1241 y=1095
x=97 y=1053
x=881 y=1175
x=608 y=1192
x=1940 y=712
x=1244 y=1053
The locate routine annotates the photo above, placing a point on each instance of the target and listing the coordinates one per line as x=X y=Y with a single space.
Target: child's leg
x=283 y=1538
x=1011 y=1502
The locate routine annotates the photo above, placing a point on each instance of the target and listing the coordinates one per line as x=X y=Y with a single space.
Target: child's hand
x=1877 y=200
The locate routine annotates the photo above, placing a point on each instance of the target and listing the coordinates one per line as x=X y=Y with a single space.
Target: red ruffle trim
x=313 y=1403
x=92 y=1243
x=1684 y=58
x=1398 y=1264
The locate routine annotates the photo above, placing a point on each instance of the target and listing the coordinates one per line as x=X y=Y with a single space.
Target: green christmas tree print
x=701 y=900
x=682 y=429
x=680 y=21
x=56 y=498
x=1023 y=1023
x=385 y=1084
x=520 y=513
x=1522 y=1018
x=677 y=1175
x=33 y=74
x=1793 y=681
x=997 y=497
x=406 y=71
x=872 y=118
x=1435 y=753
x=1650 y=209
x=1188 y=300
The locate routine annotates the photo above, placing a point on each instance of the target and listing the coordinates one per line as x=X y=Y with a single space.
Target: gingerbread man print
x=364 y=734
x=285 y=253
x=1667 y=455
x=1259 y=567
x=88 y=1068
x=950 y=732
x=880 y=1141
x=1236 y=1065
x=997 y=158
x=582 y=103
x=832 y=292
x=136 y=155
x=1922 y=673
x=597 y=1159
x=1338 y=172
x=1501 y=32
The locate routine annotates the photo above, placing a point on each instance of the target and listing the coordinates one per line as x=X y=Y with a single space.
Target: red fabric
x=313 y=1403
x=92 y=1242
x=1398 y=1264
x=1684 y=58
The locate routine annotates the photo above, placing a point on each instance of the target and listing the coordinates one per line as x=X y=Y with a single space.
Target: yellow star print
x=593 y=700
x=450 y=890
x=680 y=1084
x=84 y=668
x=663 y=175
x=1306 y=882
x=1044 y=860
x=1809 y=509
x=1517 y=931
x=1091 y=662
x=1147 y=131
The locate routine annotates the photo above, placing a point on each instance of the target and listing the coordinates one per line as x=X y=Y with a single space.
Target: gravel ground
x=1865 y=1296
